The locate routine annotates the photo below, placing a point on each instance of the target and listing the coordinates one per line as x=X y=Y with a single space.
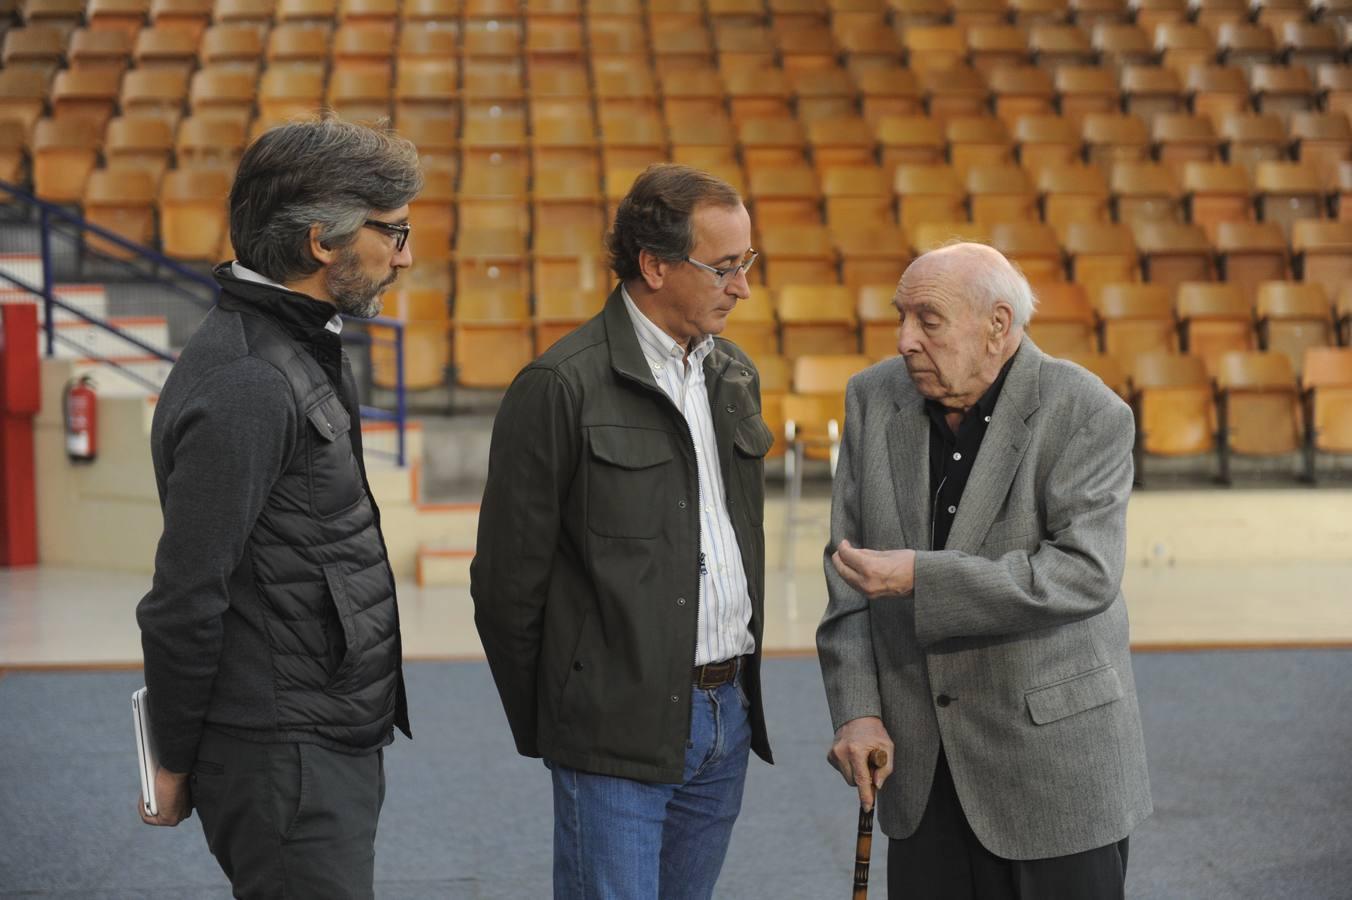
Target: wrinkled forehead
x=943 y=279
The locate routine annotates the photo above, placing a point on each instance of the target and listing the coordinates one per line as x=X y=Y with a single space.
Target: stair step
x=439 y=565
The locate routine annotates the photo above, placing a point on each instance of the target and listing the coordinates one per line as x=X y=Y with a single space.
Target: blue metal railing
x=47 y=212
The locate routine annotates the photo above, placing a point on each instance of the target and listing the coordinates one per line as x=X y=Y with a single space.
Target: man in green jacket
x=619 y=577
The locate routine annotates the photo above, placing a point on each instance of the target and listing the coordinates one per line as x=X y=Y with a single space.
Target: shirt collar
x=985 y=406
x=658 y=346
x=244 y=273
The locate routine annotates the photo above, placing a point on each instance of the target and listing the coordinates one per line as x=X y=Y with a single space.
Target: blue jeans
x=620 y=839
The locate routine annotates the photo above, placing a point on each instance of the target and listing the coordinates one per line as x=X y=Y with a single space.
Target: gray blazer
x=1020 y=620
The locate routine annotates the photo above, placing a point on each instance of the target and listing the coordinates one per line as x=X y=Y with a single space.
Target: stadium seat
x=1249 y=139
x=560 y=311
x=1342 y=313
x=1150 y=14
x=840 y=142
x=1136 y=319
x=231 y=45
x=565 y=258
x=816 y=319
x=992 y=49
x=1182 y=45
x=434 y=134
x=977 y=141
x=432 y=217
x=1032 y=246
x=364 y=47
x=13 y=140
x=934 y=47
x=125 y=17
x=1245 y=44
x=121 y=201
x=928 y=193
x=189 y=15
x=752 y=325
x=23 y=95
x=1214 y=319
x=568 y=197
x=1073 y=194
x=1249 y=253
x=888 y=91
x=1101 y=254
x=1172 y=253
x=1321 y=141
x=192 y=213
x=84 y=94
x=797 y=255
x=1054 y=46
x=1064 y=320
x=40 y=48
x=1281 y=90
x=1216 y=193
x=1215 y=92
x=1323 y=253
x=1258 y=407
x=368 y=12
x=295 y=43
x=1018 y=91
x=871 y=253
x=1288 y=192
x=491 y=260
x=822 y=94
x=929 y=236
x=360 y=94
x=814 y=411
x=286 y=92
x=1293 y=317
x=703 y=141
x=64 y=153
x=1152 y=91
x=877 y=320
x=1120 y=44
x=784 y=196
x=1326 y=382
x=493 y=196
x=491 y=336
x=107 y=52
x=166 y=48
x=857 y=195
x=1310 y=44
x=960 y=91
x=910 y=140
x=1044 y=141
x=1086 y=90
x=1089 y=13
x=1107 y=368
x=209 y=141
x=1110 y=139
x=1174 y=406
x=1001 y=194
x=1146 y=192
x=1181 y=139
x=1335 y=88
x=139 y=142
x=772 y=142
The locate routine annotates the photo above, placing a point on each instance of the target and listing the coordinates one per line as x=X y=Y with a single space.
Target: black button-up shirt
x=952 y=456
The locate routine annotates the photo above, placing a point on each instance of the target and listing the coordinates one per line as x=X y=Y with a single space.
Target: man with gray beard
x=271 y=630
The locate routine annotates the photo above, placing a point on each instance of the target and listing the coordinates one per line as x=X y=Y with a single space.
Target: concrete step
x=443 y=566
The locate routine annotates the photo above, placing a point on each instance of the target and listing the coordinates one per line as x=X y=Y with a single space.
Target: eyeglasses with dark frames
x=722 y=276
x=398 y=232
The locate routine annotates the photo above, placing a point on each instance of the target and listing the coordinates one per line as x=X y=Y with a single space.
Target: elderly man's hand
x=875 y=573
x=173 y=798
x=855 y=740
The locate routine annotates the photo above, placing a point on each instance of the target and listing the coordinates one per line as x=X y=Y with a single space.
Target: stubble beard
x=352 y=291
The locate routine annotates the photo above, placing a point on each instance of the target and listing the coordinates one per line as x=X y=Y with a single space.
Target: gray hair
x=324 y=172
x=998 y=279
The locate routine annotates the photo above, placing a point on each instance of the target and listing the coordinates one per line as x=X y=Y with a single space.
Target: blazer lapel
x=908 y=449
x=1002 y=450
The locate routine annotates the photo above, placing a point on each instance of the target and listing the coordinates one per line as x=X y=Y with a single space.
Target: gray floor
x=1248 y=754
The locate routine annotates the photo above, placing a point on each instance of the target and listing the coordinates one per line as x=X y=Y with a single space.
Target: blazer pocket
x=1097 y=687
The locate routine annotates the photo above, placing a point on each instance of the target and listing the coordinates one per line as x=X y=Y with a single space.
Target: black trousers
x=289 y=820
x=943 y=860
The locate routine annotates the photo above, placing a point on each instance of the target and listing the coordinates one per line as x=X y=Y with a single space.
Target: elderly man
x=976 y=628
x=271 y=631
x=619 y=576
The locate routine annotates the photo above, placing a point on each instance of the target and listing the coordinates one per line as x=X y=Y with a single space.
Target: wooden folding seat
x=1182 y=45
x=1213 y=14
x=691 y=92
x=1101 y=254
x=208 y=141
x=1054 y=46
x=858 y=195
x=1172 y=253
x=551 y=41
x=1108 y=369
x=1282 y=90
x=491 y=336
x=1086 y=90
x=814 y=411
x=491 y=259
x=489 y=84
x=121 y=201
x=37 y=47
x=1288 y=192
x=1039 y=12
x=1001 y=194
x=806 y=49
x=298 y=43
x=1181 y=139
x=1145 y=192
x=929 y=236
x=877 y=320
x=743 y=45
x=928 y=194
x=231 y=45
x=568 y=197
x=1043 y=141
x=622 y=36
x=792 y=14
x=1033 y=247
x=82 y=94
x=139 y=142
x=426 y=88
x=1150 y=14
x=910 y=140
x=427 y=40
x=871 y=254
x=680 y=49
x=432 y=215
x=1120 y=45
x=1110 y=139
x=556 y=80
x=426 y=336
x=1073 y=194
x=188 y=15
x=192 y=213
x=564 y=142
x=1250 y=139
x=1249 y=253
x=1088 y=13
x=125 y=17
x=994 y=47
x=496 y=139
x=888 y=91
x=64 y=152
x=369 y=12
x=772 y=143
x=564 y=258
x=1293 y=317
x=286 y=92
x=1310 y=45
x=65 y=15
x=1326 y=386
x=752 y=326
x=797 y=255
x=784 y=196
x=633 y=140
x=562 y=310
x=910 y=13
x=493 y=197
x=1174 y=407
x=257 y=13
x=492 y=10
x=319 y=12
x=1258 y=407
x=866 y=42
x=107 y=52
x=977 y=141
x=1245 y=45
x=1152 y=91
x=1064 y=320
x=492 y=37
x=1335 y=89
x=1217 y=92
x=1321 y=140
x=960 y=91
x=1276 y=13
x=363 y=47
x=623 y=83
x=1340 y=193
x=1215 y=193
x=703 y=142
x=1214 y=319
x=823 y=94
x=733 y=11
x=816 y=319
x=361 y=94
x=1020 y=91
x=13 y=142
x=931 y=47
x=1136 y=319
x=1323 y=252
x=223 y=92
x=969 y=13
x=840 y=142
x=1342 y=315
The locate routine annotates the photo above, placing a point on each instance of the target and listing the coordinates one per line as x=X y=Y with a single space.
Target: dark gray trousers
x=289 y=821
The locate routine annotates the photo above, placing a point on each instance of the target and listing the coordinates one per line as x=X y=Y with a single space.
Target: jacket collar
x=302 y=317
x=626 y=354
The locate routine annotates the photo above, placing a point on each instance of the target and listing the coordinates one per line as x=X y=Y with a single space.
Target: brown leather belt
x=712 y=675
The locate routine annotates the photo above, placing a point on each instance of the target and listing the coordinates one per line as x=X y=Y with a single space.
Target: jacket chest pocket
x=630 y=475
x=752 y=440
x=334 y=480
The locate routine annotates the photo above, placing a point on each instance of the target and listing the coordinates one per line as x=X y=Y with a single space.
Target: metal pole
x=400 y=397
x=46 y=252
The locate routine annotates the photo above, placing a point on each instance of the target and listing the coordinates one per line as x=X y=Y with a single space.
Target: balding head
x=980 y=274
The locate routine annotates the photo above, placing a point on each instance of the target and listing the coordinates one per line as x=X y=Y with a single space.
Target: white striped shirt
x=724 y=599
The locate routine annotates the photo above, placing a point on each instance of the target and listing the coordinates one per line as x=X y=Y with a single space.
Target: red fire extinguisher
x=82 y=420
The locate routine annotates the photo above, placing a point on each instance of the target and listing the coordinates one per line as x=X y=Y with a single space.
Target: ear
x=1001 y=323
x=322 y=254
x=653 y=270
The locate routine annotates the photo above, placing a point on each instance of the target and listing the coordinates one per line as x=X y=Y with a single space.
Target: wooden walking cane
x=864 y=843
